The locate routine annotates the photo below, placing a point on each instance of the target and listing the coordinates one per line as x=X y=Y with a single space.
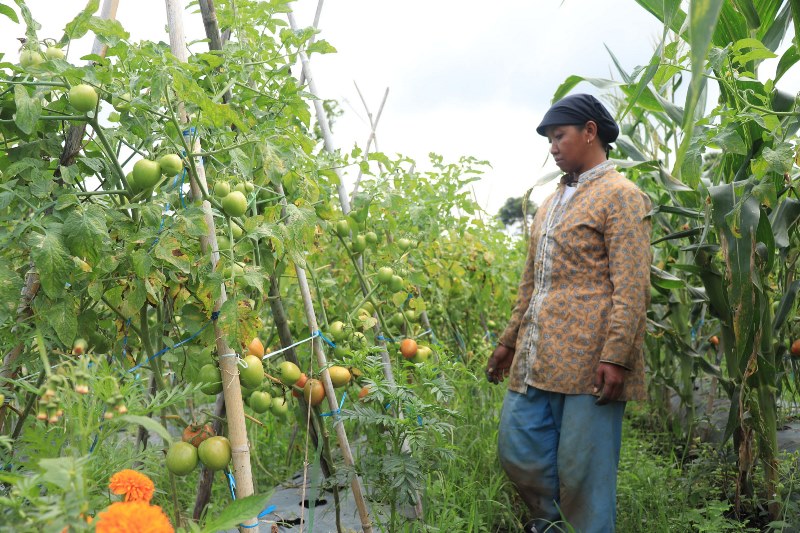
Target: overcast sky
x=464 y=77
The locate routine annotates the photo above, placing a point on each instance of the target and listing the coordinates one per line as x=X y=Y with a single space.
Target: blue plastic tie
x=262 y=514
x=337 y=411
x=321 y=335
x=387 y=339
x=214 y=317
x=231 y=483
x=266 y=511
x=402 y=305
x=419 y=420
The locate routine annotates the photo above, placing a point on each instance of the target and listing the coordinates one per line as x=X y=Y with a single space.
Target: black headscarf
x=578 y=109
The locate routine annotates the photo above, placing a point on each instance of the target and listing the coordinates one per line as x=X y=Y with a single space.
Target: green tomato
x=223 y=242
x=397 y=319
x=359 y=244
x=171 y=164
x=372 y=238
x=122 y=103
x=146 y=173
x=385 y=275
x=211 y=378
x=396 y=284
x=83 y=98
x=222 y=189
x=422 y=355
x=132 y=185
x=237 y=230
x=260 y=401
x=234 y=204
x=30 y=58
x=337 y=330
x=279 y=407
x=54 y=52
x=241 y=187
x=181 y=458
x=215 y=453
x=289 y=373
x=252 y=375
x=342 y=228
x=404 y=244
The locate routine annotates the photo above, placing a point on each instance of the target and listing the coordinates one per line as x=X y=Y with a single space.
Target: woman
x=573 y=346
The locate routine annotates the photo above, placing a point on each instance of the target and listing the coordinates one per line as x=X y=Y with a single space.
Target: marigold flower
x=136 y=486
x=133 y=517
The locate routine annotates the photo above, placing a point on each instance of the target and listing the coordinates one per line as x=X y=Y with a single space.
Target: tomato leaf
x=147 y=423
x=7 y=11
x=28 y=109
x=63 y=317
x=238 y=511
x=51 y=260
x=165 y=249
x=85 y=231
x=80 y=24
x=134 y=298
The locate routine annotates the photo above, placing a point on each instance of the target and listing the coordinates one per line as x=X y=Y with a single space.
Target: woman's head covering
x=578 y=109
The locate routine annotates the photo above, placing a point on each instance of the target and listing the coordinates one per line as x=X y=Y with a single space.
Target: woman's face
x=569 y=146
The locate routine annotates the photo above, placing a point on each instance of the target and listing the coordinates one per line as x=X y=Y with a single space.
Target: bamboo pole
x=373 y=125
x=330 y=393
x=231 y=389
x=344 y=200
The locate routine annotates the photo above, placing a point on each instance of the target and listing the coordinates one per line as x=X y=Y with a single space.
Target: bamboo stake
x=373 y=124
x=107 y=12
x=330 y=393
x=344 y=200
x=231 y=389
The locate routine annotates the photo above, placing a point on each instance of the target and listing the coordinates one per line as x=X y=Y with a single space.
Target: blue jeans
x=562 y=452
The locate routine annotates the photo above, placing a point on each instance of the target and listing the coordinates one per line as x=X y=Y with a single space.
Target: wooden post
x=228 y=360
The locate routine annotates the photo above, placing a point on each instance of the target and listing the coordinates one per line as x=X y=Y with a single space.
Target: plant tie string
x=214 y=317
x=385 y=339
x=335 y=413
x=298 y=343
x=322 y=336
x=402 y=305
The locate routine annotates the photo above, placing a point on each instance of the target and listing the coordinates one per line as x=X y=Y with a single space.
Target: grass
x=659 y=490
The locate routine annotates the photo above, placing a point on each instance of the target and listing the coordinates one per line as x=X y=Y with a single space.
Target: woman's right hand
x=499 y=363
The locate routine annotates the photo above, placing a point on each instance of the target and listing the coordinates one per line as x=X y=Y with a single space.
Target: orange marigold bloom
x=134 y=485
x=133 y=517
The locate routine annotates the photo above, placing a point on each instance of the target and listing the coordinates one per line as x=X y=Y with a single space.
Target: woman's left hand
x=608 y=382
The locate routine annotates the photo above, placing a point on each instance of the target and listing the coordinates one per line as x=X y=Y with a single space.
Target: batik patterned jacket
x=585 y=288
